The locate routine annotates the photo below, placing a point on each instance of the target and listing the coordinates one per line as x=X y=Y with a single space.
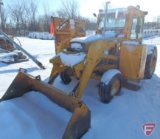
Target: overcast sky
x=88 y=7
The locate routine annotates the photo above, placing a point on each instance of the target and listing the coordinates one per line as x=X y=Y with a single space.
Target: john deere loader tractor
x=115 y=55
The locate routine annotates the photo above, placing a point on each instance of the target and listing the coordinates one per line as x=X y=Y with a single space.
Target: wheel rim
x=115 y=87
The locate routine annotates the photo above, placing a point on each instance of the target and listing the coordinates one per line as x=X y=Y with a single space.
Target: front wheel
x=107 y=92
x=66 y=75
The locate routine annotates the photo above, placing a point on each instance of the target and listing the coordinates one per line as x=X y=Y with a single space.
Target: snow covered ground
x=35 y=116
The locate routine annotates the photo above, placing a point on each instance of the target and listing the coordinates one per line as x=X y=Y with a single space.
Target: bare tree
x=44 y=20
x=16 y=13
x=33 y=25
x=23 y=15
x=61 y=13
x=69 y=9
x=3 y=17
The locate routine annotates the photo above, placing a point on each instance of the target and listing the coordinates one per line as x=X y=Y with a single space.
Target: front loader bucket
x=79 y=122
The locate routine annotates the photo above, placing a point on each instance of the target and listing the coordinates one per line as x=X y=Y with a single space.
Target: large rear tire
x=150 y=64
x=107 y=92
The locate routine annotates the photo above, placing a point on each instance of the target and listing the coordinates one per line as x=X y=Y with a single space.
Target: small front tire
x=65 y=76
x=107 y=92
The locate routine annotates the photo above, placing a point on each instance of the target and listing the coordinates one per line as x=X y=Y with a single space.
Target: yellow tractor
x=115 y=55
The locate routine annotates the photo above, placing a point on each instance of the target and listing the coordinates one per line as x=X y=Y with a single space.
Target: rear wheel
x=107 y=92
x=150 y=64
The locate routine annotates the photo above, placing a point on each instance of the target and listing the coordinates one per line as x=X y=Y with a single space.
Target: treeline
x=20 y=17
x=153 y=25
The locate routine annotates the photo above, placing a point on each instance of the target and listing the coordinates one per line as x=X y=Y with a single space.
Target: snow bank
x=41 y=35
x=9 y=56
x=150 y=32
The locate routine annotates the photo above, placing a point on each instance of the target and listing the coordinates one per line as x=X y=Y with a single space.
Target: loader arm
x=63 y=45
x=95 y=53
x=57 y=68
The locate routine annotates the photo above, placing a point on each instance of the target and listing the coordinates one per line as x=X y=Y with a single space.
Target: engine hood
x=95 y=37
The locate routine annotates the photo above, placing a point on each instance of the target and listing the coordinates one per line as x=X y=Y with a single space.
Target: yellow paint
x=132 y=61
x=128 y=58
x=115 y=87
